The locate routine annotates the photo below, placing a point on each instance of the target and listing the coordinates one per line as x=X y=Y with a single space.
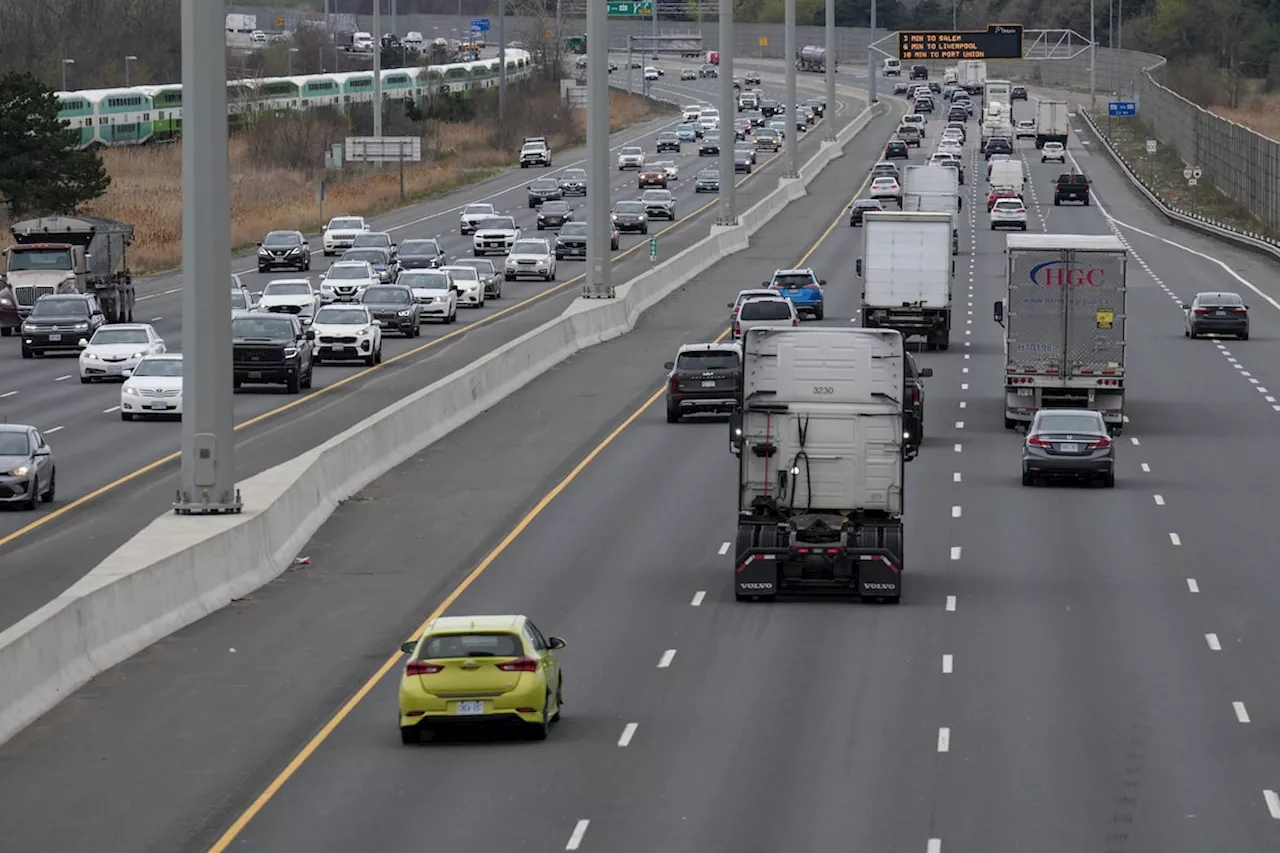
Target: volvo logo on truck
x=1059 y=274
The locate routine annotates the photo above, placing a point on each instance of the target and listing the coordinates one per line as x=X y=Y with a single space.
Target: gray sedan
x=1071 y=444
x=490 y=278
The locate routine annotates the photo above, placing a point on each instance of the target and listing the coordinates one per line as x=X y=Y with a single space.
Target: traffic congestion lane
x=143 y=713
x=104 y=453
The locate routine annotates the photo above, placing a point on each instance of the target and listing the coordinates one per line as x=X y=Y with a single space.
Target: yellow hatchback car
x=476 y=670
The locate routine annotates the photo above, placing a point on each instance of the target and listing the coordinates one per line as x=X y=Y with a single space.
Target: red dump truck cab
x=713 y=57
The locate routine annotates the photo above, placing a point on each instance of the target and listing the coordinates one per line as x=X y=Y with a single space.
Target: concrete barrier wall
x=181 y=568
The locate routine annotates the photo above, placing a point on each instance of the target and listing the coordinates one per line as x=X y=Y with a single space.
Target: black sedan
x=707 y=181
x=421 y=254
x=543 y=190
x=1216 y=314
x=631 y=216
x=554 y=214
x=1068 y=444
x=861 y=206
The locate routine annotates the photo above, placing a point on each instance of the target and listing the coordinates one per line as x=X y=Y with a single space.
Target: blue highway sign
x=479 y=25
x=1122 y=108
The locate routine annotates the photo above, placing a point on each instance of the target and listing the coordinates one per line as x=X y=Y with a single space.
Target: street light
x=65 y=63
x=292 y=51
x=127 y=60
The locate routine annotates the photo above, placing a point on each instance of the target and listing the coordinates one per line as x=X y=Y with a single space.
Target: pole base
x=730 y=222
x=790 y=176
x=592 y=293
x=184 y=504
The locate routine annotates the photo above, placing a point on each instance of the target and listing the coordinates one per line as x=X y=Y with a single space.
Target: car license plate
x=1026 y=392
x=470 y=708
x=708 y=383
x=255 y=374
x=338 y=348
x=55 y=337
x=1070 y=448
x=158 y=404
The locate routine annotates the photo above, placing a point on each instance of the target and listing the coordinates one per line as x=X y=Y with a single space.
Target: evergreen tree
x=40 y=170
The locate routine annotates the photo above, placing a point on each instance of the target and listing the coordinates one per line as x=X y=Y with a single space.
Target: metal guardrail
x=1212 y=227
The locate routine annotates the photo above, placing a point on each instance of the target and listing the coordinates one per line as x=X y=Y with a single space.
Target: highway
x=46 y=551
x=1071 y=668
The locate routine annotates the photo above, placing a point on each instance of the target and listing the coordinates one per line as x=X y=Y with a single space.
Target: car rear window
x=771 y=309
x=1052 y=423
x=793 y=280
x=1221 y=299
x=711 y=360
x=471 y=646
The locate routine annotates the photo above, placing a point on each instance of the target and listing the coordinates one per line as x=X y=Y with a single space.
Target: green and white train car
x=136 y=115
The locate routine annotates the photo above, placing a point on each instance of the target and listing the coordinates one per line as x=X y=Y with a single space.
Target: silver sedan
x=1068 y=444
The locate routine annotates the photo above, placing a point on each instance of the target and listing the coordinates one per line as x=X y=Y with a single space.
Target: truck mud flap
x=756 y=572
x=879 y=572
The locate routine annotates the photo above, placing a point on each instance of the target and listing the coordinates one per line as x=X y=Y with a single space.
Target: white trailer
x=998 y=92
x=1064 y=319
x=971 y=75
x=1052 y=122
x=821 y=463
x=906 y=273
x=934 y=189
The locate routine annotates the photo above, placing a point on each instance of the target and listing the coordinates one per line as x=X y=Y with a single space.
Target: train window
x=146 y=116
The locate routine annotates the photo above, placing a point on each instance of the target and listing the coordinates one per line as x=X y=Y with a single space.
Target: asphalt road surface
x=1071 y=668
x=44 y=552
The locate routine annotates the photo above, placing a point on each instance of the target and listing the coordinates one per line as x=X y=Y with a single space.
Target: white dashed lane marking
x=697 y=598
x=665 y=661
x=1192 y=585
x=575 y=840
x=1212 y=640
x=627 y=734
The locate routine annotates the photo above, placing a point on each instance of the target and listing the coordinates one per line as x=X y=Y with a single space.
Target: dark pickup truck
x=1071 y=187
x=271 y=349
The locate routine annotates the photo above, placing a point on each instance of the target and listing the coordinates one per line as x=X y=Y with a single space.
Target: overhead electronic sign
x=998 y=41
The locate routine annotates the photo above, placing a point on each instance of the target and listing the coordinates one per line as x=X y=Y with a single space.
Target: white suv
x=341 y=233
x=1053 y=151
x=1009 y=213
x=764 y=311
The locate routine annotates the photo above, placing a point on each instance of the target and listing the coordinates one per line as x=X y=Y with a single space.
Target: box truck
x=1052 y=122
x=906 y=271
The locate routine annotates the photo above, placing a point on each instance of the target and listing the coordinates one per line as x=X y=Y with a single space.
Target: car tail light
x=421 y=667
x=1239 y=310
x=1102 y=441
x=520 y=665
x=1202 y=310
x=795 y=321
x=915 y=396
x=737 y=328
x=674 y=383
x=1037 y=441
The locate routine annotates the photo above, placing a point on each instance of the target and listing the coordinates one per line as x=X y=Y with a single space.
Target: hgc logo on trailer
x=1058 y=274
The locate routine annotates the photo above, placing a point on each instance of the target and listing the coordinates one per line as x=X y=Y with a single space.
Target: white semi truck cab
x=821 y=462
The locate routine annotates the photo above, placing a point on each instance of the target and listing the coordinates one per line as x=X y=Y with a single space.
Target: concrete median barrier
x=181 y=568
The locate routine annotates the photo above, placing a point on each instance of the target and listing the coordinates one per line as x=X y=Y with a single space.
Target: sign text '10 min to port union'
x=999 y=41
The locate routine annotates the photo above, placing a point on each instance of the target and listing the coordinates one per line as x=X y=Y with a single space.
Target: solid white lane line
x=52 y=430
x=1273 y=803
x=173 y=290
x=7 y=394
x=934 y=846
x=955 y=552
x=155 y=319
x=1146 y=467
x=1159 y=500
x=110 y=410
x=944 y=739
x=724 y=549
x=63 y=378
x=948 y=664
x=576 y=838
x=628 y=733
x=955 y=478
x=1241 y=714
x=1212 y=640
x=1192 y=585
x=951 y=603
x=1174 y=538
x=666 y=659
x=697 y=598
x=955 y=512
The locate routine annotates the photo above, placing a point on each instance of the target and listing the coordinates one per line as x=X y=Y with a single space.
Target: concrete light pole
x=65 y=63
x=127 y=60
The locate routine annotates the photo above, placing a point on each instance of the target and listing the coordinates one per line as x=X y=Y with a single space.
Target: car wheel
x=411 y=735
x=293 y=384
x=1193 y=334
x=673 y=416
x=305 y=381
x=1245 y=336
x=26 y=353
x=85 y=380
x=453 y=316
x=377 y=355
x=1027 y=479
x=34 y=497
x=53 y=485
x=540 y=730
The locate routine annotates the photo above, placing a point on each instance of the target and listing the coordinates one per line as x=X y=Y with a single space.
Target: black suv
x=997 y=145
x=544 y=189
x=769 y=107
x=1019 y=93
x=913 y=402
x=668 y=141
x=704 y=378
x=896 y=150
x=287 y=249
x=573 y=182
x=59 y=321
x=394 y=308
x=751 y=78
x=271 y=349
x=710 y=145
x=919 y=72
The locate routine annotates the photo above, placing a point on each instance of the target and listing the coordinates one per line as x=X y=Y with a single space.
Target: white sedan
x=670 y=167
x=1055 y=151
x=291 y=296
x=1009 y=213
x=531 y=258
x=470 y=288
x=116 y=348
x=347 y=332
x=951 y=146
x=886 y=187
x=154 y=387
x=435 y=293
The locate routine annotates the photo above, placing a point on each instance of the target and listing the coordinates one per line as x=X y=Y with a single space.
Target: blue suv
x=801 y=288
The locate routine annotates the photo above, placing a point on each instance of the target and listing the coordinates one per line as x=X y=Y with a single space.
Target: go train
x=141 y=114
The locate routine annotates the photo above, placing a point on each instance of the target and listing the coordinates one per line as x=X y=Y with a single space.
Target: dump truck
x=906 y=273
x=934 y=189
x=1064 y=326
x=811 y=58
x=821 y=463
x=67 y=254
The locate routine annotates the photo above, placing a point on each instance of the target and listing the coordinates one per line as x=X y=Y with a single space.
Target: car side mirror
x=126 y=373
x=998 y=311
x=408 y=647
x=822 y=281
x=257 y=294
x=453 y=288
x=857 y=268
x=555 y=643
x=42 y=451
x=324 y=228
x=1186 y=307
x=377 y=323
x=83 y=343
x=310 y=334
x=925 y=372
x=735 y=431
x=670 y=365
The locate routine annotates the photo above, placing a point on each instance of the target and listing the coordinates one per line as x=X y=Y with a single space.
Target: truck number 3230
x=824 y=390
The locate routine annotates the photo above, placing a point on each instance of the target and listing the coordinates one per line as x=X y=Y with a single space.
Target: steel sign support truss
x=1037 y=45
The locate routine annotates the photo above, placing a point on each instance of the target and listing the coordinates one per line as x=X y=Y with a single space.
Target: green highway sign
x=653 y=248
x=630 y=7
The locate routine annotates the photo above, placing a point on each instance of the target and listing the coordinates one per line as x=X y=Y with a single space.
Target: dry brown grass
x=146 y=183
x=1261 y=113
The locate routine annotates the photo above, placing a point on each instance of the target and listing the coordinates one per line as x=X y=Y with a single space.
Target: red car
x=998 y=193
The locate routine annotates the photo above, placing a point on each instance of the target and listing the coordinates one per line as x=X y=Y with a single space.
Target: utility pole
x=208 y=420
x=728 y=117
x=829 y=113
x=598 y=284
x=871 y=59
x=502 y=62
x=377 y=69
x=789 y=48
x=1093 y=62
